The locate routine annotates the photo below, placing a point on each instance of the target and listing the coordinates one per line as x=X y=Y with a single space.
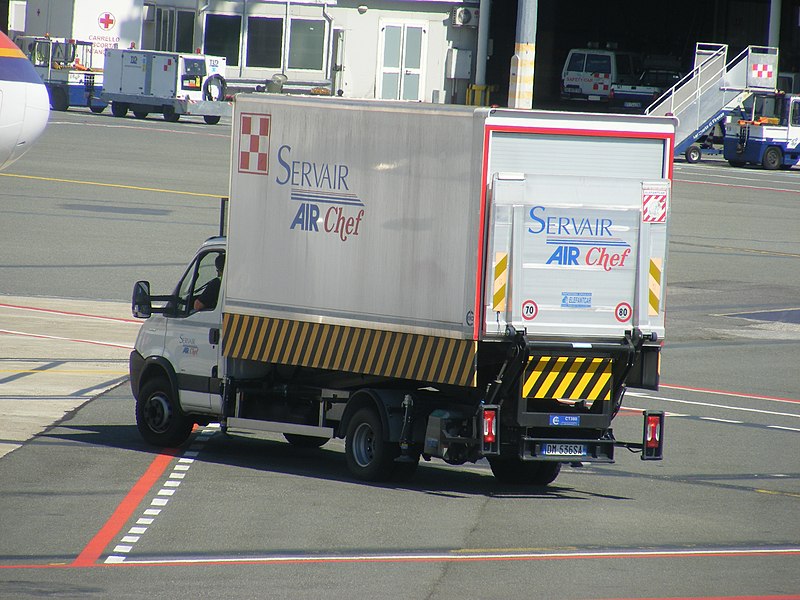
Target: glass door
x=402 y=53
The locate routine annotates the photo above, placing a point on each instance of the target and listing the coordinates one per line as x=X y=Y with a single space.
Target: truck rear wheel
x=524 y=472
x=159 y=418
x=140 y=114
x=119 y=109
x=170 y=116
x=773 y=158
x=211 y=119
x=369 y=457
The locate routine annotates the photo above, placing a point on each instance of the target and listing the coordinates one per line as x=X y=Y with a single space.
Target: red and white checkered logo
x=654 y=207
x=601 y=85
x=763 y=71
x=254 y=144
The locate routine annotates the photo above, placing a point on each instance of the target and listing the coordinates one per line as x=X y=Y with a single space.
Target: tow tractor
x=767 y=134
x=65 y=66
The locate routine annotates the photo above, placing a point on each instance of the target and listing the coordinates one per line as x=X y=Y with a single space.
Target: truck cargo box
x=406 y=217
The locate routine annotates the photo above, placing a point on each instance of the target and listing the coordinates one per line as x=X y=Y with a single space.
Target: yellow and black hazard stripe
x=424 y=358
x=568 y=377
x=654 y=285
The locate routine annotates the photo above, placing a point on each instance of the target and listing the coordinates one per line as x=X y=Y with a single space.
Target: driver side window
x=194 y=281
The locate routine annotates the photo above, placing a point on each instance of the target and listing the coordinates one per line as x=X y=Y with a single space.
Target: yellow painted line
x=113 y=185
x=776 y=493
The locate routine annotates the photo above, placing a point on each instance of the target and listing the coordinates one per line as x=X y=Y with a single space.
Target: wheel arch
x=383 y=402
x=155 y=367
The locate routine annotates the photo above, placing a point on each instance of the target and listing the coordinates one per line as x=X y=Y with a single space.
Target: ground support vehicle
x=169 y=83
x=636 y=97
x=106 y=24
x=767 y=134
x=712 y=90
x=590 y=73
x=424 y=281
x=65 y=66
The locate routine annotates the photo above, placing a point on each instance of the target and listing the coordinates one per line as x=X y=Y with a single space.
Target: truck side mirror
x=140 y=303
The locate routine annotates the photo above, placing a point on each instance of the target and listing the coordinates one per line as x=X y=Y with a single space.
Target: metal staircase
x=714 y=87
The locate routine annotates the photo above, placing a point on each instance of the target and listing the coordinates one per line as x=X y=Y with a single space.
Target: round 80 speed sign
x=623 y=312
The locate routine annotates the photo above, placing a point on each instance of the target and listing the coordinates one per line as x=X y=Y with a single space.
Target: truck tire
x=523 y=472
x=170 y=116
x=97 y=109
x=140 y=114
x=159 y=418
x=119 y=109
x=305 y=441
x=369 y=457
x=773 y=158
x=58 y=99
x=693 y=154
x=211 y=119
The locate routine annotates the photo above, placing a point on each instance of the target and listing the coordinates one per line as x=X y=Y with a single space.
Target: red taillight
x=652 y=437
x=489 y=426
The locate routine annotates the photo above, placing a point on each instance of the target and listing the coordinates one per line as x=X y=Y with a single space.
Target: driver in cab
x=207 y=300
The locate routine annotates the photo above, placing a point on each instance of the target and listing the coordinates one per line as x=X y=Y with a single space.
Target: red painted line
x=759 y=597
x=91 y=553
x=728 y=393
x=64 y=339
x=739 y=185
x=68 y=313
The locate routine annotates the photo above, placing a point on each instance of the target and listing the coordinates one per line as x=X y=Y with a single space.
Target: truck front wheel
x=523 y=472
x=773 y=158
x=369 y=457
x=159 y=419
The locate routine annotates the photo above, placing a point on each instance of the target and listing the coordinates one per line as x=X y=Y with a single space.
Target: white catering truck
x=423 y=281
x=169 y=83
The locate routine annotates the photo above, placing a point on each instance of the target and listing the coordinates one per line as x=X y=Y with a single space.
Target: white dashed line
x=163 y=496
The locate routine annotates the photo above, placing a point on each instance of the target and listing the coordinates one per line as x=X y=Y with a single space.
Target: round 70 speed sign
x=529 y=310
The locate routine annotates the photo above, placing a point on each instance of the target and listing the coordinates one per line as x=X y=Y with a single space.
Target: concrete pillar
x=520 y=89
x=774 y=37
x=483 y=42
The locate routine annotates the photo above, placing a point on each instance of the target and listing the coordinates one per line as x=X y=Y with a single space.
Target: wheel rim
x=157 y=413
x=363 y=445
x=772 y=159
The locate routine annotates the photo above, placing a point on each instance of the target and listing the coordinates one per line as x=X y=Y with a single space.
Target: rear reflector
x=653 y=436
x=489 y=426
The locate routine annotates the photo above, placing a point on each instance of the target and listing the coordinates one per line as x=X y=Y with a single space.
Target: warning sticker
x=654 y=204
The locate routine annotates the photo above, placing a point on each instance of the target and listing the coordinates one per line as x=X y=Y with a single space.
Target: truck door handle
x=213 y=336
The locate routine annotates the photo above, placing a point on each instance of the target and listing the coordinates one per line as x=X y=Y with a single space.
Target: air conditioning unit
x=464 y=17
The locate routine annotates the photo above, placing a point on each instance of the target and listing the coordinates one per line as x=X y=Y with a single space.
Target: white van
x=589 y=73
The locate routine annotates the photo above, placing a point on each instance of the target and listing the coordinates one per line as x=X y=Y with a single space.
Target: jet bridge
x=713 y=88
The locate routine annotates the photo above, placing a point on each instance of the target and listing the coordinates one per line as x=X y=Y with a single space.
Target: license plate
x=632 y=105
x=565 y=449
